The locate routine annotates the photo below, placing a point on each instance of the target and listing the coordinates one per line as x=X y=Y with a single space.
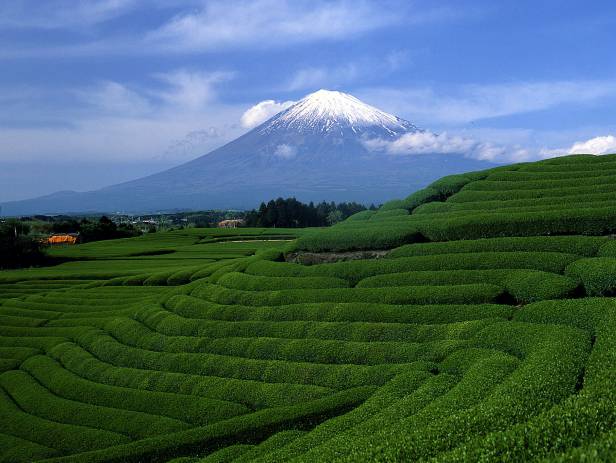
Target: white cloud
x=112 y=122
x=285 y=151
x=597 y=145
x=181 y=90
x=195 y=143
x=120 y=139
x=259 y=23
x=430 y=143
x=467 y=103
x=191 y=89
x=262 y=111
x=61 y=14
x=419 y=143
x=113 y=97
x=207 y=25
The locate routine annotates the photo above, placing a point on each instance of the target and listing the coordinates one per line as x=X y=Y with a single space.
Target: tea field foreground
x=485 y=332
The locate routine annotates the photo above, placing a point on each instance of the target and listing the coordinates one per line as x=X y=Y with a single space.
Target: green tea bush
x=332 y=376
x=587 y=221
x=496 y=391
x=181 y=277
x=556 y=434
x=16 y=450
x=248 y=282
x=408 y=392
x=179 y=407
x=460 y=294
x=254 y=394
x=608 y=249
x=436 y=191
x=382 y=214
x=326 y=351
x=60 y=436
x=33 y=398
x=530 y=207
x=433 y=207
x=575 y=221
x=336 y=239
x=357 y=270
x=255 y=426
x=361 y=216
x=157 y=279
x=587 y=246
x=278 y=440
x=539 y=184
x=528 y=287
x=471 y=195
x=225 y=454
x=598 y=275
x=136 y=280
x=584 y=164
x=521 y=175
x=524 y=285
x=466 y=342
x=173 y=325
x=576 y=201
x=196 y=308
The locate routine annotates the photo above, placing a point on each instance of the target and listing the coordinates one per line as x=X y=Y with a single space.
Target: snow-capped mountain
x=314 y=150
x=327 y=111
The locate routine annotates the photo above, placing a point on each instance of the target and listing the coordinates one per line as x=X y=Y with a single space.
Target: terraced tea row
x=473 y=337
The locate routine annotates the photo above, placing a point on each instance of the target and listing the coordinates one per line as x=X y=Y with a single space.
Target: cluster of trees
x=17 y=247
x=22 y=245
x=95 y=230
x=201 y=219
x=292 y=213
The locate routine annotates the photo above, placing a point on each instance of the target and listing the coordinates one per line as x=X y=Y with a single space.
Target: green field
x=486 y=332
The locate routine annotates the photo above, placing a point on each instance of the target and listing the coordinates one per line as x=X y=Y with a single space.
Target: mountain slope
x=314 y=150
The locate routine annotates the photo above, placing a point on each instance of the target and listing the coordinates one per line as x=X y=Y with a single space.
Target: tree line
x=94 y=230
x=291 y=213
x=23 y=245
x=17 y=247
x=23 y=241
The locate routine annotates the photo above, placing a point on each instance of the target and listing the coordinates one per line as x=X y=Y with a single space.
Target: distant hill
x=314 y=150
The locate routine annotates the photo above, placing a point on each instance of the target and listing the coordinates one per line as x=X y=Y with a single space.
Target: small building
x=66 y=238
x=230 y=223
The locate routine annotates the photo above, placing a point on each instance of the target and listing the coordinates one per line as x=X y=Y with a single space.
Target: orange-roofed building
x=63 y=239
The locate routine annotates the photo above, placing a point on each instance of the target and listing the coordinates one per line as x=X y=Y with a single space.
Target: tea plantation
x=483 y=329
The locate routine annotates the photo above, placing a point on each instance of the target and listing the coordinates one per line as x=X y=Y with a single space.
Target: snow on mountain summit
x=327 y=111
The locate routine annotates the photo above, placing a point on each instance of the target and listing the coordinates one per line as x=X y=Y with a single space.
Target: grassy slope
x=486 y=334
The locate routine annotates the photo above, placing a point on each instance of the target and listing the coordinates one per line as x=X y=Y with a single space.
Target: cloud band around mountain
x=262 y=111
x=430 y=143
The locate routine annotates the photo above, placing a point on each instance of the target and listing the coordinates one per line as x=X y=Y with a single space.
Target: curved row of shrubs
x=360 y=331
x=540 y=184
x=524 y=285
x=354 y=271
x=585 y=221
x=575 y=201
x=196 y=308
x=436 y=191
x=460 y=294
x=580 y=245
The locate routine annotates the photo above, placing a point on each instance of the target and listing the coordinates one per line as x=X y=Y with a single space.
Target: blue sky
x=102 y=91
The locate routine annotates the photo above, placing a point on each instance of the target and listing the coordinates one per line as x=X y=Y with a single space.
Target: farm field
x=484 y=329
